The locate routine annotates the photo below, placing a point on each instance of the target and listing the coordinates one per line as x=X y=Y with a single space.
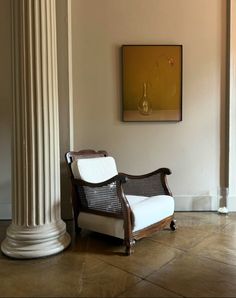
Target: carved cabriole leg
x=129 y=243
x=37 y=229
x=127 y=214
x=129 y=239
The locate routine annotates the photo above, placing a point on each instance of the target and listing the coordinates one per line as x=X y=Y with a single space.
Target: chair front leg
x=173 y=225
x=129 y=243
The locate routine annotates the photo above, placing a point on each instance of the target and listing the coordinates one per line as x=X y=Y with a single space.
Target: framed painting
x=152 y=83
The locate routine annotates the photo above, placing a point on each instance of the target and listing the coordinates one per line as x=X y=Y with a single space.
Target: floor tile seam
x=160 y=286
x=164 y=288
x=209 y=296
x=170 y=246
x=178 y=248
x=211 y=259
x=228 y=233
x=164 y=265
x=122 y=269
x=185 y=250
x=129 y=287
x=142 y=276
x=223 y=234
x=44 y=296
x=192 y=254
x=226 y=224
x=223 y=226
x=211 y=234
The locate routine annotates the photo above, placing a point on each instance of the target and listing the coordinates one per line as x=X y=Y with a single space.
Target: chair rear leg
x=77 y=229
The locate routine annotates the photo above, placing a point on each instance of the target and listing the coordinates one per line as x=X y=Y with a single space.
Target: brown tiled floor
x=198 y=260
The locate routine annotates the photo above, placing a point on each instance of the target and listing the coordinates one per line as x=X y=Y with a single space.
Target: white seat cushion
x=147 y=211
x=94 y=170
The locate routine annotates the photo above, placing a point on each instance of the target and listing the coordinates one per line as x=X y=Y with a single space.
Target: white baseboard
x=232 y=203
x=202 y=203
x=5 y=210
x=195 y=203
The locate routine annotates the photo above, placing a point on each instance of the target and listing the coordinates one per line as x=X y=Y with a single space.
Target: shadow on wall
x=5 y=200
x=66 y=207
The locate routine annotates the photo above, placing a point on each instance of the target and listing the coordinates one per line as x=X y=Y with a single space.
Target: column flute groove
x=37 y=229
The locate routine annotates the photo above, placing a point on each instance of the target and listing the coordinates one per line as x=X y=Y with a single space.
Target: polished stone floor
x=198 y=260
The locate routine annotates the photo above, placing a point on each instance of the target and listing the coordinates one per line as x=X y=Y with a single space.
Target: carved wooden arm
x=117 y=178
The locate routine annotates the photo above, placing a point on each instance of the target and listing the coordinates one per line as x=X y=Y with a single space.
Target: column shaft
x=37 y=229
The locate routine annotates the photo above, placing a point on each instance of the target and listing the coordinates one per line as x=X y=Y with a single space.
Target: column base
x=24 y=242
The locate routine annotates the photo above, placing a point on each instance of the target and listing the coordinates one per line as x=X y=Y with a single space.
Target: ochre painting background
x=157 y=66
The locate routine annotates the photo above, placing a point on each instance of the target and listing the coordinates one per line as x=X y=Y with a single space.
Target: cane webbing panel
x=100 y=198
x=149 y=186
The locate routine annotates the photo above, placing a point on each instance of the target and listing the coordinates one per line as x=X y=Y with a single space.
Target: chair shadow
x=95 y=243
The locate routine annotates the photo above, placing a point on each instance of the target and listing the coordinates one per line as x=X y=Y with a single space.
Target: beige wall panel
x=191 y=148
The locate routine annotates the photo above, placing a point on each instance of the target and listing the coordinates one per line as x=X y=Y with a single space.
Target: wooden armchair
x=121 y=205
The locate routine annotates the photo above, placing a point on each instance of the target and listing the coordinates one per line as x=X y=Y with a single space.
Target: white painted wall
x=191 y=148
x=5 y=109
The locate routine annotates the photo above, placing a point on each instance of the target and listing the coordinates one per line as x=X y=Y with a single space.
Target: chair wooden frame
x=120 y=181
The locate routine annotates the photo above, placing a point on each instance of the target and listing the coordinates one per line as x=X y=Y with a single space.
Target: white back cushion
x=94 y=170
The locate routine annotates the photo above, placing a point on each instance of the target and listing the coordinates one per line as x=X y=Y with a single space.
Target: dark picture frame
x=152 y=83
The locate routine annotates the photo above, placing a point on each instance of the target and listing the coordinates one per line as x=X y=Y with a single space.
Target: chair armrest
x=164 y=171
x=150 y=184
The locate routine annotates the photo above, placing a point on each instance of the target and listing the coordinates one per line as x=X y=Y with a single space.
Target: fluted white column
x=37 y=229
